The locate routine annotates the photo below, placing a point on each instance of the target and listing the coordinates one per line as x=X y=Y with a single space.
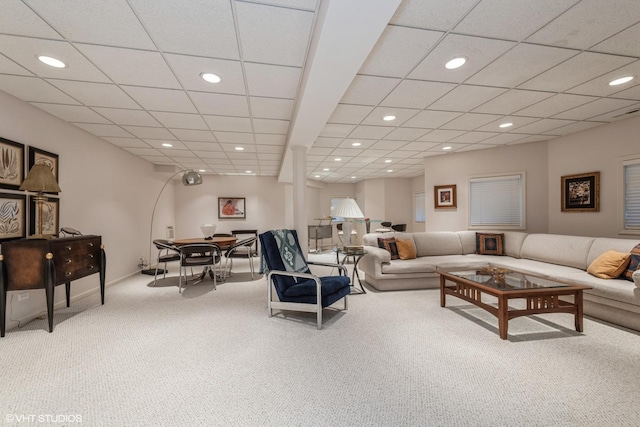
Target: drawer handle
x=91 y=256
x=68 y=248
x=67 y=273
x=90 y=245
x=91 y=267
x=68 y=261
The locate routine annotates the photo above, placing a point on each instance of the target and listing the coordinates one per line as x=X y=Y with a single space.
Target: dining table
x=223 y=241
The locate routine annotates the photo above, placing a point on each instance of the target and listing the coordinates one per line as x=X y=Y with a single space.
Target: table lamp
x=208 y=230
x=349 y=210
x=41 y=180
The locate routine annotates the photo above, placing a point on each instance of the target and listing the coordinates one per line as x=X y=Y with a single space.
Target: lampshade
x=191 y=177
x=40 y=178
x=348 y=208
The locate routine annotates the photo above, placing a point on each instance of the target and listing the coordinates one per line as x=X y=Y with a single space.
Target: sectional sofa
x=549 y=255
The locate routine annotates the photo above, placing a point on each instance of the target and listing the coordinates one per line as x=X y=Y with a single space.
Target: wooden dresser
x=46 y=263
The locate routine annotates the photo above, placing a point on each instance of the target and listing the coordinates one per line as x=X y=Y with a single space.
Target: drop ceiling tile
x=128 y=117
x=280 y=127
x=103 y=130
x=511 y=101
x=271 y=108
x=623 y=43
x=178 y=154
x=470 y=121
x=576 y=127
x=388 y=145
x=520 y=64
x=203 y=146
x=473 y=137
x=398 y=51
x=406 y=134
x=96 y=94
x=574 y=71
x=600 y=85
x=336 y=130
x=474 y=147
x=435 y=14
x=72 y=113
x=131 y=67
x=149 y=132
x=194 y=135
x=441 y=135
x=127 y=142
x=110 y=23
x=189 y=68
x=33 y=89
x=350 y=114
x=272 y=80
x=230 y=124
x=504 y=138
x=269 y=149
x=368 y=90
x=416 y=94
x=161 y=99
x=431 y=119
x=544 y=126
x=211 y=21
x=269 y=156
x=235 y=137
x=371 y=132
x=7 y=66
x=180 y=120
x=617 y=114
x=262 y=138
x=466 y=97
x=595 y=108
x=328 y=142
x=575 y=28
x=478 y=51
x=419 y=146
x=630 y=93
x=554 y=105
x=454 y=147
x=230 y=149
x=511 y=20
x=16 y=18
x=218 y=104
x=518 y=121
x=375 y=118
x=273 y=35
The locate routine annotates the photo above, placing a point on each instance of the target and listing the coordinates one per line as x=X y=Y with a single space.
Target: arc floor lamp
x=189 y=178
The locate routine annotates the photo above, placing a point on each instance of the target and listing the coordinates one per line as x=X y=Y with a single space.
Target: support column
x=299 y=154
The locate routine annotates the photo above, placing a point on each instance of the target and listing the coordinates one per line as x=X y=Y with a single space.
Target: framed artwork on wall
x=38 y=156
x=444 y=196
x=13 y=216
x=50 y=216
x=11 y=164
x=581 y=192
x=231 y=207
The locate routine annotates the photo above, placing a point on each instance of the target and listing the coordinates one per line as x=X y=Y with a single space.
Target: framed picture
x=444 y=196
x=11 y=164
x=38 y=156
x=50 y=216
x=581 y=193
x=13 y=216
x=231 y=207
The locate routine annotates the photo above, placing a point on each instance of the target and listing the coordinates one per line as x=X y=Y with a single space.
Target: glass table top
x=502 y=278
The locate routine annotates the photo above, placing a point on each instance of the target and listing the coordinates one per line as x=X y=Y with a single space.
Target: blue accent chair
x=301 y=291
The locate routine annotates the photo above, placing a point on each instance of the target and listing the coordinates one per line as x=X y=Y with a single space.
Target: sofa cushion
x=404 y=266
x=489 y=243
x=602 y=244
x=406 y=248
x=634 y=263
x=437 y=243
x=636 y=278
x=557 y=249
x=389 y=244
x=609 y=265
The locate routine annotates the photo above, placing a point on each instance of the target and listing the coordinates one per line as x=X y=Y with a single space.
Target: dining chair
x=239 y=249
x=166 y=253
x=206 y=255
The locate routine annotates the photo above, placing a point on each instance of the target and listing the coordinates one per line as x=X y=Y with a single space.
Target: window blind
x=496 y=201
x=632 y=195
x=420 y=211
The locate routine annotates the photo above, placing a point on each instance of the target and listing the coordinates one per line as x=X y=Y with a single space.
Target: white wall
x=456 y=168
x=105 y=191
x=595 y=150
x=417 y=186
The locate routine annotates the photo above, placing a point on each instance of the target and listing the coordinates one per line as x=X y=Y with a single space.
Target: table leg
x=442 y=295
x=503 y=316
x=356 y=260
x=579 y=314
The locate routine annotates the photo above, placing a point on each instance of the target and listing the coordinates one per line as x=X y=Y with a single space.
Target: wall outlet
x=23 y=296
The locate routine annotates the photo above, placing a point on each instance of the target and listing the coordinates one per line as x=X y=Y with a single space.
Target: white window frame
x=625 y=161
x=497 y=177
x=419 y=204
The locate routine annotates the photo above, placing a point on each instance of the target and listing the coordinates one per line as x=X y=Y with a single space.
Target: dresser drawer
x=77 y=264
x=73 y=247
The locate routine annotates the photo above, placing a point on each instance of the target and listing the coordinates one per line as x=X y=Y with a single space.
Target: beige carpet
x=152 y=357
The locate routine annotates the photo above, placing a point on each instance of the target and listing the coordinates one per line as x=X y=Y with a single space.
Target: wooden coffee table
x=541 y=294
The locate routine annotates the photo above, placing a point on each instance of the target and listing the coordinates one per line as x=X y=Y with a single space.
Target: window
x=418 y=201
x=497 y=201
x=631 y=172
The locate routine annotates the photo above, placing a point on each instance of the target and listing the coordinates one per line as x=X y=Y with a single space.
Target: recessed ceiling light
x=316 y=176
x=210 y=77
x=337 y=159
x=388 y=161
x=620 y=81
x=353 y=177
x=447 y=148
x=201 y=170
x=247 y=171
x=356 y=144
x=456 y=63
x=389 y=118
x=166 y=144
x=52 y=62
x=389 y=170
x=506 y=125
x=239 y=148
x=326 y=169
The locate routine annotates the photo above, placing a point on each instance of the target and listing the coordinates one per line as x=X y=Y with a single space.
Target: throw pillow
x=406 y=249
x=609 y=265
x=634 y=263
x=390 y=245
x=489 y=243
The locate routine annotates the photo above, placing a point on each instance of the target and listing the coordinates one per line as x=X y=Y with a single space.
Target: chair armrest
x=340 y=267
x=296 y=274
x=371 y=263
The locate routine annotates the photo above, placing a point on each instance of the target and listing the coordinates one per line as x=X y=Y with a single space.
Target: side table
x=355 y=255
